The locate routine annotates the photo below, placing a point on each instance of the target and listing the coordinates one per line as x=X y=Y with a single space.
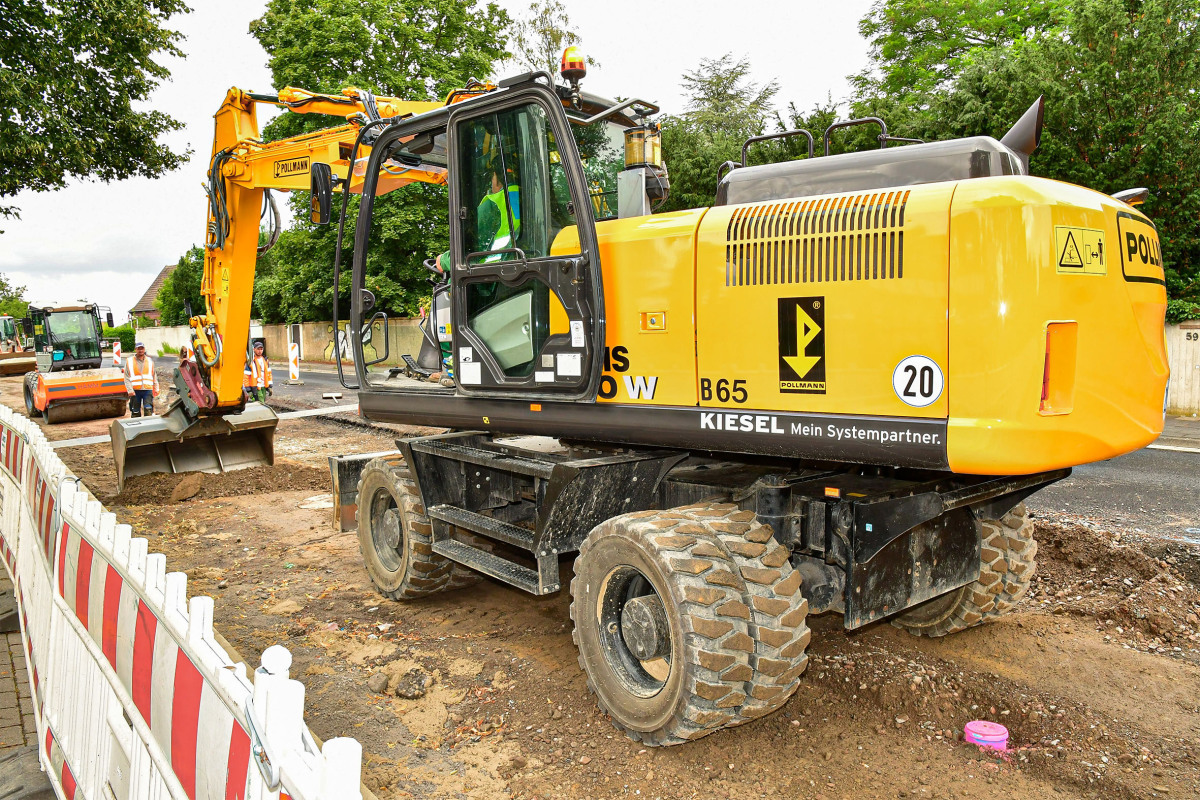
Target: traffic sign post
x=294 y=365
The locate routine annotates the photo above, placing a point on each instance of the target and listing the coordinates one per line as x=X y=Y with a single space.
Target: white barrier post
x=294 y=365
x=117 y=353
x=134 y=698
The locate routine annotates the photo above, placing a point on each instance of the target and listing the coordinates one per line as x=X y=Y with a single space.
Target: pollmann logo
x=802 y=345
x=291 y=166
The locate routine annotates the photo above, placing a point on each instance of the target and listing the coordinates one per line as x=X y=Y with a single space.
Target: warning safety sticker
x=1079 y=251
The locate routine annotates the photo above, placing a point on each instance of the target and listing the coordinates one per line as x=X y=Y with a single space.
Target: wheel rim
x=635 y=631
x=933 y=612
x=387 y=532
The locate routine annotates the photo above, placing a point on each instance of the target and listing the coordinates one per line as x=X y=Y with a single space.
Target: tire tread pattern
x=1008 y=555
x=778 y=610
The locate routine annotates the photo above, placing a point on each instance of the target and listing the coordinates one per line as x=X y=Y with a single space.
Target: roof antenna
x=1024 y=137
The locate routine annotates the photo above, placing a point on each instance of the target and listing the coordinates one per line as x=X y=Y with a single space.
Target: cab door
x=527 y=299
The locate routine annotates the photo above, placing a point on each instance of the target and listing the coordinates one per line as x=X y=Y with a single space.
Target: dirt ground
x=1096 y=674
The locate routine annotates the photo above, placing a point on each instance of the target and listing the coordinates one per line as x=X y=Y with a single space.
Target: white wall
x=154 y=337
x=1183 y=354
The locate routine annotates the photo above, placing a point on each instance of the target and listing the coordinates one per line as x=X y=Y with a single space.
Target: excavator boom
x=210 y=427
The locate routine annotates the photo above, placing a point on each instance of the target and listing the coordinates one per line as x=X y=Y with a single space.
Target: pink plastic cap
x=986 y=734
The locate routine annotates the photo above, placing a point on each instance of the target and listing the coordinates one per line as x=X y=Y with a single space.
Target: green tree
x=125 y=333
x=916 y=46
x=724 y=108
x=412 y=50
x=1120 y=78
x=539 y=39
x=182 y=287
x=12 y=299
x=408 y=49
x=73 y=76
x=722 y=100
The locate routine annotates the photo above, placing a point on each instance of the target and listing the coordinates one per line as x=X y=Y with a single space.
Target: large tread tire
x=1020 y=555
x=1006 y=569
x=778 y=610
x=411 y=570
x=30 y=387
x=698 y=559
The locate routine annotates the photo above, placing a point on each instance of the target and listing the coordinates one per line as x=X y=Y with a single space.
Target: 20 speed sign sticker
x=918 y=381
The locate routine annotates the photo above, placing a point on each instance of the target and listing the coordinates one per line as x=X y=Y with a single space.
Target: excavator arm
x=209 y=427
x=242 y=168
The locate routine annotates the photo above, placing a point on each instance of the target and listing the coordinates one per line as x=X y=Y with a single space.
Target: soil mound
x=160 y=488
x=1148 y=588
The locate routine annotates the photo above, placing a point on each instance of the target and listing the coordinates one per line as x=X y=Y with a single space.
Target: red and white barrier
x=117 y=353
x=133 y=696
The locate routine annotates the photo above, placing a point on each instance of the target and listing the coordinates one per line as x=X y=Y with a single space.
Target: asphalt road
x=1151 y=491
x=1156 y=492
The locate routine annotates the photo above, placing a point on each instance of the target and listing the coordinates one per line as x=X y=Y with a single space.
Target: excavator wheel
x=31 y=387
x=673 y=634
x=1006 y=569
x=395 y=535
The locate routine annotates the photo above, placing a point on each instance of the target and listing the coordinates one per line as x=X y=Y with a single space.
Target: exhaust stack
x=1024 y=137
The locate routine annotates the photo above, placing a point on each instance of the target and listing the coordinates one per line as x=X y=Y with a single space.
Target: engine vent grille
x=849 y=238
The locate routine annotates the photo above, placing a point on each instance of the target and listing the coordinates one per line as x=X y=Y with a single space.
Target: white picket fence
x=134 y=698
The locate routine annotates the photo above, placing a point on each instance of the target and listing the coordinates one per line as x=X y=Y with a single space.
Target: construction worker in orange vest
x=260 y=371
x=140 y=382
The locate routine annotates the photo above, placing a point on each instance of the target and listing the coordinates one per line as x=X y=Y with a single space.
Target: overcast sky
x=106 y=242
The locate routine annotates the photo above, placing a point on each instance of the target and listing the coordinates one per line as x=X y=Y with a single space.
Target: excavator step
x=492 y=459
x=491 y=564
x=490 y=527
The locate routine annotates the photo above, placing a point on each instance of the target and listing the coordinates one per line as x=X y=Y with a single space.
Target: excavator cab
x=522 y=316
x=525 y=311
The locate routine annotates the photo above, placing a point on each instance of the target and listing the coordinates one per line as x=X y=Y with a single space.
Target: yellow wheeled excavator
x=831 y=391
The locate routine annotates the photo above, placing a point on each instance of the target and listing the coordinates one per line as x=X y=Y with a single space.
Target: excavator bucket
x=209 y=444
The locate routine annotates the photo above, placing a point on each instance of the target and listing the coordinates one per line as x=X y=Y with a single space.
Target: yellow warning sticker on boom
x=1079 y=251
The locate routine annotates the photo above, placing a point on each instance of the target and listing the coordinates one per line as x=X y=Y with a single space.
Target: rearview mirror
x=321 y=183
x=108 y=318
x=27 y=326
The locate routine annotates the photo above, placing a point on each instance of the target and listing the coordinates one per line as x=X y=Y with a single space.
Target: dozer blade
x=17 y=363
x=209 y=444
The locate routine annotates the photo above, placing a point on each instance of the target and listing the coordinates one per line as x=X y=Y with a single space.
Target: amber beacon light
x=573 y=66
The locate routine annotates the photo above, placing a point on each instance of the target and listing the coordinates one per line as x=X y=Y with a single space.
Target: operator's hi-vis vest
x=140 y=377
x=505 y=234
x=260 y=370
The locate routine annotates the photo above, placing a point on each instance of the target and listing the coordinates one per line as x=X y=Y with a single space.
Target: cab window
x=516 y=201
x=511 y=199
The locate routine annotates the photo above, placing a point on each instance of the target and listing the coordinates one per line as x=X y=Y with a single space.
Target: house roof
x=146 y=304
